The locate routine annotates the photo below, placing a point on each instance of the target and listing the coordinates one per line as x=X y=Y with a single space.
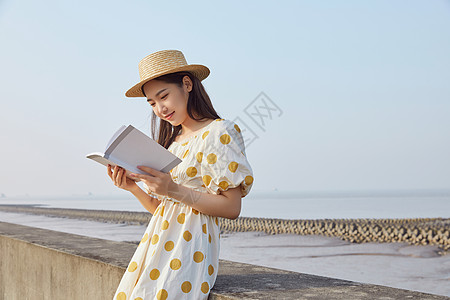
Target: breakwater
x=414 y=231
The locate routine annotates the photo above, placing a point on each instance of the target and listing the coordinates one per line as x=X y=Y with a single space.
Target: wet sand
x=399 y=265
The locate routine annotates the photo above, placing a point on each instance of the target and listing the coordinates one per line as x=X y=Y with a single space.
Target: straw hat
x=162 y=63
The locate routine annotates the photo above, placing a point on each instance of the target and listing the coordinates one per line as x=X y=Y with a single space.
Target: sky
x=359 y=89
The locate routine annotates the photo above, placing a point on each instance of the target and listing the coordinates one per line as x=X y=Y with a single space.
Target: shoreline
x=413 y=231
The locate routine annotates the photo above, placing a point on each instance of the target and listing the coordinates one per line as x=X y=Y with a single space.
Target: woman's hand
x=158 y=182
x=120 y=179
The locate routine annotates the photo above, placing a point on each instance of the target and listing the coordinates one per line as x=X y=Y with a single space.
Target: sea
x=420 y=203
x=295 y=205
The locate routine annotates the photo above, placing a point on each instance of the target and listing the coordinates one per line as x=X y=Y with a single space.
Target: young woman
x=178 y=256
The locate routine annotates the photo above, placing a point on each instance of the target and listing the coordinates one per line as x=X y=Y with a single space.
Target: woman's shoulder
x=225 y=126
x=225 y=132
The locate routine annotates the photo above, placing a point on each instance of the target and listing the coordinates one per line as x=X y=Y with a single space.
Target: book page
x=99 y=157
x=118 y=132
x=134 y=148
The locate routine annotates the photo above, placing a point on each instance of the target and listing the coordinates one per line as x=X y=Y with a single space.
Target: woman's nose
x=163 y=110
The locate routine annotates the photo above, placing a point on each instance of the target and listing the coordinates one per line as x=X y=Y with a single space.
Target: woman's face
x=168 y=100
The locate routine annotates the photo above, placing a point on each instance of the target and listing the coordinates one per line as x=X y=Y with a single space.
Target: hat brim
x=199 y=71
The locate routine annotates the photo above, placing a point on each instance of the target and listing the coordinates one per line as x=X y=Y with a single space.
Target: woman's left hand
x=158 y=182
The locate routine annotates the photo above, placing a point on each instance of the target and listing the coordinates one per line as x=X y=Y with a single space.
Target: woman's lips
x=170 y=116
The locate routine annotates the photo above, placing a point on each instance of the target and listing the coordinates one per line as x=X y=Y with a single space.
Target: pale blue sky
x=363 y=86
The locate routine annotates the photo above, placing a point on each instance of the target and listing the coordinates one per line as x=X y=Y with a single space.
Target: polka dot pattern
x=172 y=258
x=186 y=287
x=199 y=156
x=169 y=246
x=205 y=287
x=237 y=128
x=198 y=256
x=225 y=139
x=132 y=267
x=181 y=218
x=248 y=180
x=191 y=171
x=207 y=179
x=223 y=164
x=223 y=185
x=187 y=235
x=154 y=274
x=175 y=264
x=162 y=294
x=210 y=270
x=144 y=238
x=232 y=166
x=155 y=239
x=211 y=158
x=165 y=225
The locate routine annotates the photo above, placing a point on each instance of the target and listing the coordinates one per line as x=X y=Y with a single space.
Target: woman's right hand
x=120 y=179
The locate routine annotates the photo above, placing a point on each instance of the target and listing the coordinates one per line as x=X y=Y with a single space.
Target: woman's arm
x=226 y=205
x=148 y=202
x=122 y=181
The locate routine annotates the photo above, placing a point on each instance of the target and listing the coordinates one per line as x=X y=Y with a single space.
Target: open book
x=129 y=148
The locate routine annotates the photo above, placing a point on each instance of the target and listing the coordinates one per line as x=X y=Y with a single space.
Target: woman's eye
x=165 y=96
x=152 y=104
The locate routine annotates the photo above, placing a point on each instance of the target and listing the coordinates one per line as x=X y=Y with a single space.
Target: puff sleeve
x=223 y=161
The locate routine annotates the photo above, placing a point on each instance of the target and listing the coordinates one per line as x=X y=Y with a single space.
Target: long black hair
x=198 y=103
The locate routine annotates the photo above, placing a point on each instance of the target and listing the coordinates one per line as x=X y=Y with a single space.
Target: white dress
x=178 y=256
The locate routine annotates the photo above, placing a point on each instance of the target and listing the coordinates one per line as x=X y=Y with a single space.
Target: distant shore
x=414 y=231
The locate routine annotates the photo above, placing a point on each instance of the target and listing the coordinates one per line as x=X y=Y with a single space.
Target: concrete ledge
x=44 y=264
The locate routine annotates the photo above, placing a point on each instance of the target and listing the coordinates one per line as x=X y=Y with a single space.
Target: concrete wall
x=30 y=271
x=44 y=264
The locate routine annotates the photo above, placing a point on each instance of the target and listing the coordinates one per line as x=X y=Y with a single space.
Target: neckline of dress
x=199 y=132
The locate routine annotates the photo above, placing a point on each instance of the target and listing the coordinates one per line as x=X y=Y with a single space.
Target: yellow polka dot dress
x=178 y=255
